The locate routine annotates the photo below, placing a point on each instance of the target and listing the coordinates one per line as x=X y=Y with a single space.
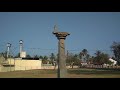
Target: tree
x=36 y=56
x=87 y=58
x=76 y=60
x=72 y=59
x=84 y=52
x=41 y=57
x=52 y=58
x=45 y=60
x=101 y=58
x=116 y=50
x=84 y=55
x=5 y=54
x=91 y=59
x=97 y=58
x=80 y=55
x=98 y=52
x=28 y=56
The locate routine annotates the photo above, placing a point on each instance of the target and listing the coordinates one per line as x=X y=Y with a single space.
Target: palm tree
x=87 y=58
x=41 y=57
x=98 y=52
x=80 y=55
x=28 y=56
x=52 y=57
x=101 y=58
x=84 y=54
x=84 y=51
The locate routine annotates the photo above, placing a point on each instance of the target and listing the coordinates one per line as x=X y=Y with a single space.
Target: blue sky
x=90 y=30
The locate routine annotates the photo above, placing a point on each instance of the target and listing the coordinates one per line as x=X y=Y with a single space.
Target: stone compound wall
x=19 y=64
x=27 y=64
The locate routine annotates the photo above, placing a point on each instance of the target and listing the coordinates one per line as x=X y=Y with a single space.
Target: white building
x=22 y=54
x=112 y=60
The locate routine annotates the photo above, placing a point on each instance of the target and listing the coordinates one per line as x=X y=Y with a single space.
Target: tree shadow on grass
x=94 y=71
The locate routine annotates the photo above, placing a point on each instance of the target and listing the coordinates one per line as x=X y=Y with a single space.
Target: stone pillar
x=62 y=58
x=21 y=47
x=8 y=49
x=62 y=71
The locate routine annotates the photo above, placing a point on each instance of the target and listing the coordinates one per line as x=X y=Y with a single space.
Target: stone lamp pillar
x=61 y=36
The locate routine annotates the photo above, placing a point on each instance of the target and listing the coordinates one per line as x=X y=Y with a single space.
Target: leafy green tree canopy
x=116 y=50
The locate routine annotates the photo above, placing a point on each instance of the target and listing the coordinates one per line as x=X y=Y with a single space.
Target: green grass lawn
x=71 y=73
x=94 y=73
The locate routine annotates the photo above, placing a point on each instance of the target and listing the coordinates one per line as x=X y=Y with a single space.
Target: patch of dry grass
x=72 y=73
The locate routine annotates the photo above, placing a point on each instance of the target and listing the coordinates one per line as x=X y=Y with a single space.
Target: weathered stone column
x=8 y=49
x=62 y=71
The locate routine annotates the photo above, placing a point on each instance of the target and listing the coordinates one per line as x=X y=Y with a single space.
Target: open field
x=72 y=73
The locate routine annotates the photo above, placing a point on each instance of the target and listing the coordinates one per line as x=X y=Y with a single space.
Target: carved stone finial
x=55 y=29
